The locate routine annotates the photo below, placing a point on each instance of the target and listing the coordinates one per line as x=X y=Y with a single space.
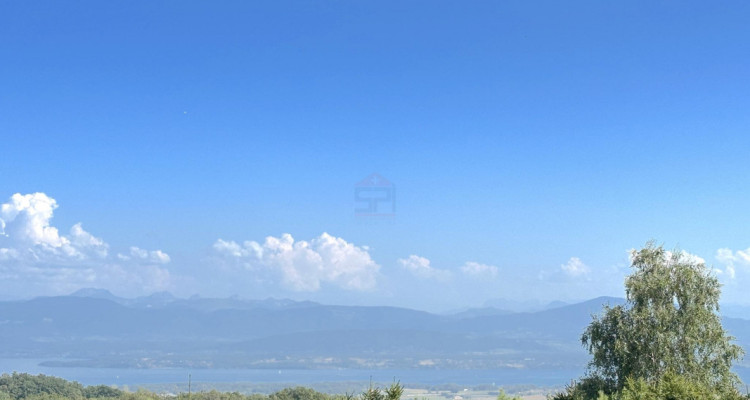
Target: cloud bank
x=27 y=235
x=731 y=259
x=420 y=267
x=478 y=270
x=37 y=257
x=575 y=267
x=304 y=266
x=34 y=252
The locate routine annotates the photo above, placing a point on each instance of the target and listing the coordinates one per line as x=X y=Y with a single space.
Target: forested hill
x=98 y=329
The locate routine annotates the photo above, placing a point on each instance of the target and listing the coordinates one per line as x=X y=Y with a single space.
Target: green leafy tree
x=23 y=386
x=298 y=393
x=372 y=393
x=671 y=386
x=140 y=394
x=211 y=395
x=504 y=396
x=101 y=391
x=669 y=327
x=394 y=392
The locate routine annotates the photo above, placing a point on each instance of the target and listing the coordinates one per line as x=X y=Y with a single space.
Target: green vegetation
x=25 y=386
x=504 y=396
x=19 y=386
x=392 y=392
x=667 y=342
x=298 y=393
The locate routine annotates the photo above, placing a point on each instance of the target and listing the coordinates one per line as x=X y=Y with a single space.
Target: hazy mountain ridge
x=100 y=329
x=166 y=299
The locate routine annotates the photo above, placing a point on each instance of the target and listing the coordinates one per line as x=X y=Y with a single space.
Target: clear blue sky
x=541 y=140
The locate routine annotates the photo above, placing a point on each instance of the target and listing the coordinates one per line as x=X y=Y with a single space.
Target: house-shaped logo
x=375 y=196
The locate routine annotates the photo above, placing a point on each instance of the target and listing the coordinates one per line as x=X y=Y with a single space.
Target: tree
x=101 y=391
x=393 y=392
x=668 y=327
x=298 y=393
x=23 y=386
x=504 y=396
x=671 y=386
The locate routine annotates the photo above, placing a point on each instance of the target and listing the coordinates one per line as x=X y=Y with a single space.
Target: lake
x=134 y=377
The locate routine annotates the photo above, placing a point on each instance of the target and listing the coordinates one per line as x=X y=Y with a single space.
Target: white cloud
x=731 y=259
x=26 y=217
x=27 y=230
x=303 y=265
x=421 y=268
x=81 y=239
x=684 y=256
x=575 y=267
x=479 y=270
x=247 y=249
x=34 y=252
x=144 y=256
x=670 y=256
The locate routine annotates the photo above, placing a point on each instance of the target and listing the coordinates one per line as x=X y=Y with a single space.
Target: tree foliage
x=216 y=395
x=669 y=328
x=392 y=392
x=101 y=392
x=298 y=393
x=504 y=396
x=25 y=386
x=40 y=387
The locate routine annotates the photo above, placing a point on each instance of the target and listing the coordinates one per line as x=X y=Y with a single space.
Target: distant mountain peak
x=95 y=293
x=161 y=296
x=607 y=299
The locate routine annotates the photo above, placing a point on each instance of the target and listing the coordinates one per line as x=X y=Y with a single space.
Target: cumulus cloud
x=28 y=235
x=731 y=259
x=305 y=265
x=34 y=251
x=82 y=239
x=685 y=257
x=145 y=256
x=421 y=268
x=575 y=267
x=670 y=256
x=479 y=270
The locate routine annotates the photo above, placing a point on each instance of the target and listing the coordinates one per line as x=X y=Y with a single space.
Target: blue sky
x=521 y=136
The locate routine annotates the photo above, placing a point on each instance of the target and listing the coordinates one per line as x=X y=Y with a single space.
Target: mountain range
x=92 y=327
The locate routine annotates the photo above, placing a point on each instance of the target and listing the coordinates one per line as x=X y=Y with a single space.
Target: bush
x=298 y=393
x=101 y=391
x=504 y=396
x=671 y=386
x=592 y=387
x=42 y=387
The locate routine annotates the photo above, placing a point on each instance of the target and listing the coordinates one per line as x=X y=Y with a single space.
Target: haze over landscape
x=374 y=185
